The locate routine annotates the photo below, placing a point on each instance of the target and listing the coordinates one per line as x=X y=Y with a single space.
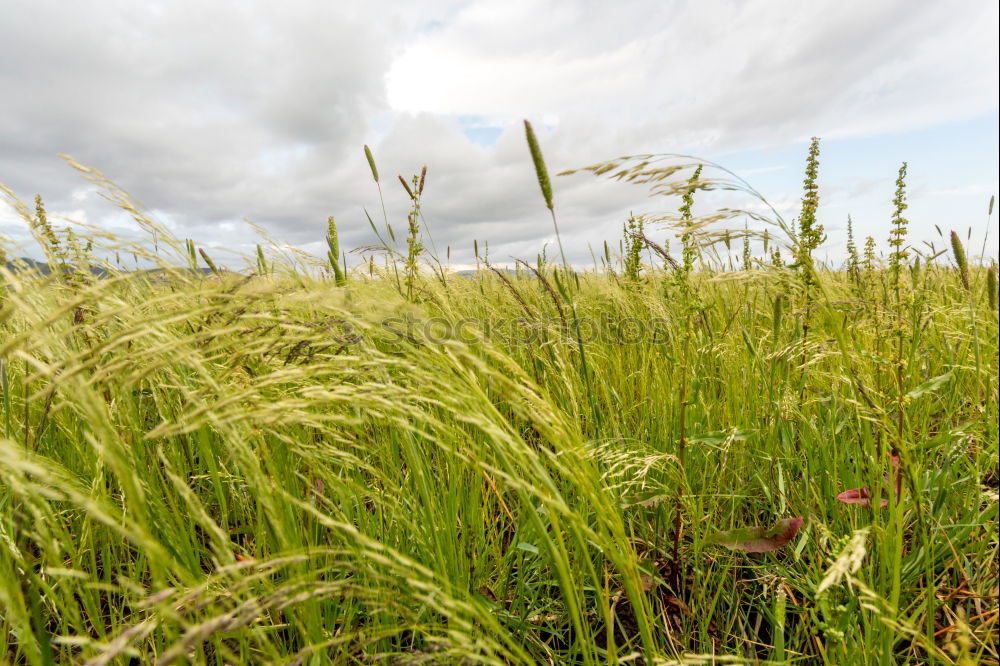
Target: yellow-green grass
x=270 y=468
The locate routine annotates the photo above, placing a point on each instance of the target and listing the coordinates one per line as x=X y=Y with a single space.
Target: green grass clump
x=297 y=464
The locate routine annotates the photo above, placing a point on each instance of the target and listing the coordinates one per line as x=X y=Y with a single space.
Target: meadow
x=729 y=453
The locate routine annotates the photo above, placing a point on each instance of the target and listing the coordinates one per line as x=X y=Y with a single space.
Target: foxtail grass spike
x=208 y=260
x=261 y=260
x=371 y=162
x=406 y=187
x=991 y=287
x=540 y=171
x=545 y=184
x=960 y=260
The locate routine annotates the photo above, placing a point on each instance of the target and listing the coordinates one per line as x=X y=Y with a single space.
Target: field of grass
x=687 y=461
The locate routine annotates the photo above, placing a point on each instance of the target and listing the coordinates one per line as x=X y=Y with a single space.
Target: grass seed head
x=208 y=260
x=371 y=162
x=406 y=187
x=261 y=260
x=991 y=287
x=960 y=260
x=540 y=171
x=777 y=314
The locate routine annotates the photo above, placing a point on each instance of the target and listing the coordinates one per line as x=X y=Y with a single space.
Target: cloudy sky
x=215 y=113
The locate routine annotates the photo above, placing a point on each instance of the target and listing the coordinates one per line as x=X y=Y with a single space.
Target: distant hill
x=26 y=263
x=23 y=263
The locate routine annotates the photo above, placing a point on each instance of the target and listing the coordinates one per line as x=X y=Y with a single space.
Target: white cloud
x=210 y=113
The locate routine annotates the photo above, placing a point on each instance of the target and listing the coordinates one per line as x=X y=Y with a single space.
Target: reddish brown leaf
x=759 y=539
x=859 y=496
x=862 y=496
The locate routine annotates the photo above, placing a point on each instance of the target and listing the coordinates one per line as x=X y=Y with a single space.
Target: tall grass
x=304 y=466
